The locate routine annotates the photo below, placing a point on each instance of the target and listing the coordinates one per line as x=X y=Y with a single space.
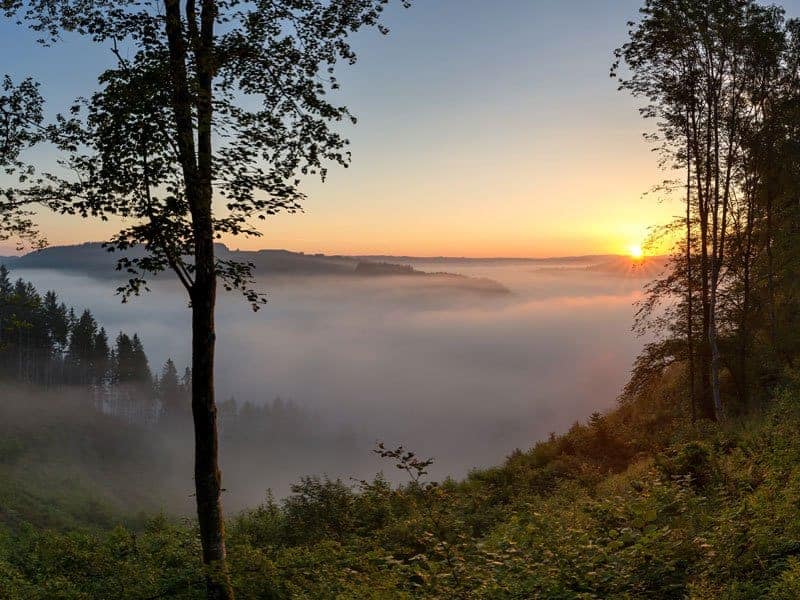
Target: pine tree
x=174 y=399
x=80 y=353
x=122 y=371
x=101 y=358
x=140 y=368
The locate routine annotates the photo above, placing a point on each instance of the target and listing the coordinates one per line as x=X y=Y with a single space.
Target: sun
x=636 y=252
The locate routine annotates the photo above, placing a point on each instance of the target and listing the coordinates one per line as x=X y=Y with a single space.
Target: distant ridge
x=86 y=250
x=93 y=260
x=90 y=258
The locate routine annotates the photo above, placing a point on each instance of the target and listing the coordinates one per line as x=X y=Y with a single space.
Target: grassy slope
x=63 y=466
x=637 y=504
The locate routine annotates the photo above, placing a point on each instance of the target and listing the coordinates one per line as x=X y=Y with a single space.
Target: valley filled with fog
x=460 y=375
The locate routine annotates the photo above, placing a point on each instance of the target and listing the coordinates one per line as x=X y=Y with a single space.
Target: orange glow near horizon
x=523 y=207
x=329 y=233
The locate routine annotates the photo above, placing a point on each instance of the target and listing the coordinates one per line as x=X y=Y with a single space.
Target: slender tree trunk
x=705 y=300
x=197 y=171
x=771 y=276
x=720 y=223
x=689 y=291
x=712 y=320
x=702 y=177
x=208 y=479
x=708 y=265
x=744 y=393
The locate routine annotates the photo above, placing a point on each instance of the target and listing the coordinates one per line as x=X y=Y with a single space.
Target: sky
x=486 y=128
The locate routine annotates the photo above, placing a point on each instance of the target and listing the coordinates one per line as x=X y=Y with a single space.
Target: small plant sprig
x=434 y=503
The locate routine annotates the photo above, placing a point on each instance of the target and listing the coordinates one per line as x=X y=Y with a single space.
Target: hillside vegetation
x=639 y=503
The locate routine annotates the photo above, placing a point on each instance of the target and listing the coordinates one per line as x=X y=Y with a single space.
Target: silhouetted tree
x=175 y=401
x=81 y=351
x=210 y=99
x=708 y=72
x=21 y=120
x=101 y=357
x=130 y=364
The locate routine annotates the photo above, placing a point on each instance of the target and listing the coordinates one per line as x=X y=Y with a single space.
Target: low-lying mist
x=461 y=376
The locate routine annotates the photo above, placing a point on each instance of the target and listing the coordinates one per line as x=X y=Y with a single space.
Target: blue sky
x=486 y=127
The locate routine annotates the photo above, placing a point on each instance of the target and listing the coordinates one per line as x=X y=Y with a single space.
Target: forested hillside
x=639 y=503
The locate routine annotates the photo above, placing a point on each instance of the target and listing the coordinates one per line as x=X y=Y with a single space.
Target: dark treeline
x=722 y=82
x=44 y=342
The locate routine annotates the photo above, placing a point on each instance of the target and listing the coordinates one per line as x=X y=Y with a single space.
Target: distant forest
x=50 y=354
x=45 y=342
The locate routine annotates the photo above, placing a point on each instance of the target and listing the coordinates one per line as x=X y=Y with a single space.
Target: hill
x=95 y=261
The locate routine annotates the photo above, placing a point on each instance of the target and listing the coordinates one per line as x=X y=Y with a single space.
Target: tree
x=21 y=120
x=130 y=361
x=56 y=318
x=101 y=358
x=174 y=399
x=702 y=68
x=210 y=103
x=81 y=350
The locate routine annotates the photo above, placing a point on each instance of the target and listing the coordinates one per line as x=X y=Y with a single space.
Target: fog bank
x=459 y=376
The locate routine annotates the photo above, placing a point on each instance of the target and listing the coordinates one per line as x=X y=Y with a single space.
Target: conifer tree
x=174 y=399
x=101 y=358
x=81 y=350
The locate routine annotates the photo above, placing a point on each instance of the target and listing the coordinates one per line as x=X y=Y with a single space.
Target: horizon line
x=17 y=253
